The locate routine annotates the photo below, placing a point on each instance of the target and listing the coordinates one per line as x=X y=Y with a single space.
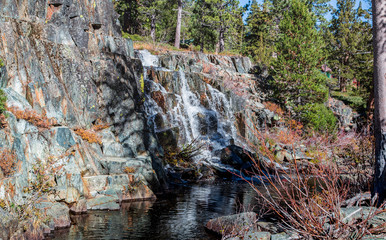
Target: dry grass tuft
x=88 y=135
x=32 y=117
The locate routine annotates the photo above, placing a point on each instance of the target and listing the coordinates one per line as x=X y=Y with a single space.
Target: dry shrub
x=32 y=117
x=273 y=107
x=155 y=48
x=7 y=161
x=308 y=203
x=88 y=135
x=3 y=121
x=99 y=126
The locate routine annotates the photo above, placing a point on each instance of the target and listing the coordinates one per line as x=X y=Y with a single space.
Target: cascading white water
x=212 y=125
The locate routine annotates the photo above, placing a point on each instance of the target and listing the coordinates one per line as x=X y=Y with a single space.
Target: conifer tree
x=129 y=15
x=349 y=40
x=299 y=53
x=261 y=34
x=205 y=20
x=230 y=24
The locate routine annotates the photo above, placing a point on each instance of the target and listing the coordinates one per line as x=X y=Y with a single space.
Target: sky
x=365 y=5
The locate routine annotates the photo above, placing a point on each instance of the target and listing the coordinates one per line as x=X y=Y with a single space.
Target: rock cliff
x=74 y=105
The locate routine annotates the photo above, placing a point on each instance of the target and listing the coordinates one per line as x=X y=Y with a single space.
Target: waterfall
x=212 y=125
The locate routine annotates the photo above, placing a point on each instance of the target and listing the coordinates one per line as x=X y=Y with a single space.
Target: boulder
x=232 y=224
x=237 y=157
x=8 y=224
x=102 y=203
x=169 y=138
x=251 y=235
x=344 y=113
x=59 y=215
x=79 y=207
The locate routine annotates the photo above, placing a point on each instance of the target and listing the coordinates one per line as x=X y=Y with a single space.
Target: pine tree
x=348 y=37
x=205 y=20
x=230 y=24
x=129 y=15
x=299 y=52
x=261 y=34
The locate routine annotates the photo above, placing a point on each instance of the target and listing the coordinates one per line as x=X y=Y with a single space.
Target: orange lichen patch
x=40 y=97
x=33 y=117
x=11 y=189
x=208 y=68
x=129 y=170
x=88 y=135
x=51 y=10
x=203 y=98
x=207 y=80
x=159 y=98
x=7 y=161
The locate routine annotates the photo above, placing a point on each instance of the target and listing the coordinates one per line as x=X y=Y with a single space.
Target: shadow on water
x=181 y=215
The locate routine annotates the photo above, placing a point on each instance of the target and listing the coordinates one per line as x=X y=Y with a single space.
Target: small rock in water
x=232 y=224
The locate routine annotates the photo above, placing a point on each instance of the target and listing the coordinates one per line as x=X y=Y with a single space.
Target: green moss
x=142 y=82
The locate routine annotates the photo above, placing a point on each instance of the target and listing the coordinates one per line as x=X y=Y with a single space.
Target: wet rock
x=102 y=203
x=237 y=157
x=60 y=215
x=79 y=207
x=233 y=223
x=169 y=138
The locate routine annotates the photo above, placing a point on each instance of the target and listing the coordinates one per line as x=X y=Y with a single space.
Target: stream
x=181 y=214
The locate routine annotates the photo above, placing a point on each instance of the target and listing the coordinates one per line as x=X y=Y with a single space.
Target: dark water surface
x=181 y=215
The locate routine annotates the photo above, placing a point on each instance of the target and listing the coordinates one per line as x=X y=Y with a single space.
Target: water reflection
x=181 y=215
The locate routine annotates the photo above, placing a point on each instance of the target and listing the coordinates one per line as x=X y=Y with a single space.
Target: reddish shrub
x=7 y=161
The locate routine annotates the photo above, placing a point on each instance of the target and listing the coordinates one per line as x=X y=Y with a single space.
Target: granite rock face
x=219 y=96
x=66 y=62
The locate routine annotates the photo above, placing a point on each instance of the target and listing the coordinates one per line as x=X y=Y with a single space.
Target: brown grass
x=31 y=116
x=161 y=48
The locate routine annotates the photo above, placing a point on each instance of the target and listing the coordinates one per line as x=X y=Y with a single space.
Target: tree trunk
x=178 y=28
x=379 y=17
x=221 y=42
x=126 y=21
x=152 y=27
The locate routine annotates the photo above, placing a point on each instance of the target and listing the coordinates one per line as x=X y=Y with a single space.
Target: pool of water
x=181 y=214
